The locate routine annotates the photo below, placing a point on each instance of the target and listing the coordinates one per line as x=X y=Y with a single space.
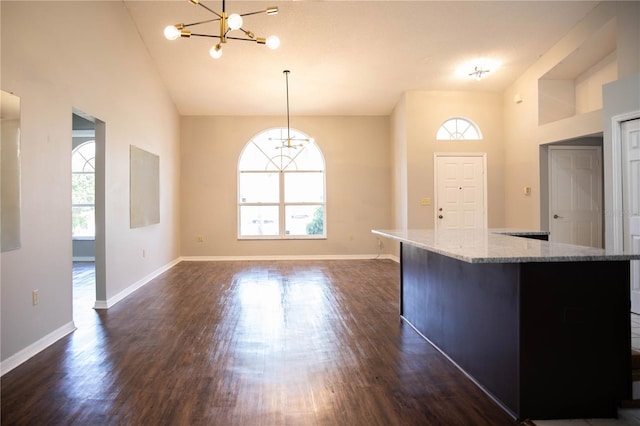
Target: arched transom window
x=458 y=128
x=281 y=187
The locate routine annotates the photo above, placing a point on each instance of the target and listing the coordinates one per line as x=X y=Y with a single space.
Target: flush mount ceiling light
x=228 y=23
x=477 y=68
x=478 y=72
x=290 y=142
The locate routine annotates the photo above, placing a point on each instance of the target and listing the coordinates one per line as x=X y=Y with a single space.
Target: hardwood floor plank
x=249 y=343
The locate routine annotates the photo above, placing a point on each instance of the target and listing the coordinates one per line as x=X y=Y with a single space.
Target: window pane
x=259 y=187
x=460 y=129
x=303 y=187
x=83 y=188
x=259 y=220
x=252 y=158
x=83 y=157
x=471 y=133
x=304 y=220
x=307 y=157
x=83 y=222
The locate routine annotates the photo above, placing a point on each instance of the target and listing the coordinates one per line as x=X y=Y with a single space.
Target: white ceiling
x=346 y=57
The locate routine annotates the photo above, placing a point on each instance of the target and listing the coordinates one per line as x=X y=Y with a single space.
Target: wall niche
x=574 y=85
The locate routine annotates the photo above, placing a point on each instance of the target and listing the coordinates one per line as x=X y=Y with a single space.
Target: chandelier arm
x=201 y=22
x=243 y=39
x=217 y=36
x=205 y=35
x=253 y=13
x=211 y=10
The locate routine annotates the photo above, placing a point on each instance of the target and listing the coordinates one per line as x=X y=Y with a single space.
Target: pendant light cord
x=286 y=74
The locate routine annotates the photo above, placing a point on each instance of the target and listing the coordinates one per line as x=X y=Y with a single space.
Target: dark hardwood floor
x=249 y=343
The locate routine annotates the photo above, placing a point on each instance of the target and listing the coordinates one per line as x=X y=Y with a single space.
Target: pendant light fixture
x=290 y=142
x=228 y=23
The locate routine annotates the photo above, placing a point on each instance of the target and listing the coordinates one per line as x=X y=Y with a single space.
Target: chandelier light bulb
x=171 y=32
x=234 y=21
x=273 y=42
x=216 y=51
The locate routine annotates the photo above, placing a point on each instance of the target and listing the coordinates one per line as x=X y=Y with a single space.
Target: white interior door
x=575 y=192
x=631 y=202
x=460 y=191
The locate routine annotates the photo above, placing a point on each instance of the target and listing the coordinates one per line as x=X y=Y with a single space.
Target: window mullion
x=282 y=209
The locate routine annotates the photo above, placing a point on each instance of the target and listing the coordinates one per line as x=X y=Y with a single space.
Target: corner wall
x=107 y=73
x=522 y=133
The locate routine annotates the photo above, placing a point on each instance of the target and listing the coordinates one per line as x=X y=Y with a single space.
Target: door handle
x=555 y=216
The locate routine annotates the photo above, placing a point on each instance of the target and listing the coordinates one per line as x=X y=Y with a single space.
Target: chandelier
x=290 y=142
x=228 y=23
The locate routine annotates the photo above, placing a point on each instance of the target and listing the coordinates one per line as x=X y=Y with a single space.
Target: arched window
x=458 y=128
x=281 y=187
x=83 y=190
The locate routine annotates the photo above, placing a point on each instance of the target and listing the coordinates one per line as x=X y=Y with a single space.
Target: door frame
x=100 y=257
x=482 y=155
x=615 y=212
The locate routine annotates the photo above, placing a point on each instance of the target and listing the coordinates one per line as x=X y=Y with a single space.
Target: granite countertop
x=499 y=246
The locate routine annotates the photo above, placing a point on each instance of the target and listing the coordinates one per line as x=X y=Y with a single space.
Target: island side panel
x=470 y=312
x=576 y=343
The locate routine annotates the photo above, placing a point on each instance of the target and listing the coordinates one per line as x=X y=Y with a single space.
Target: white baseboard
x=291 y=257
x=106 y=304
x=36 y=347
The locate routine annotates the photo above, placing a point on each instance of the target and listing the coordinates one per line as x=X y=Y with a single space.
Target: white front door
x=631 y=202
x=460 y=191
x=575 y=192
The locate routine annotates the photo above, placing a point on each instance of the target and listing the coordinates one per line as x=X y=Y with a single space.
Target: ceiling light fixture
x=287 y=143
x=479 y=72
x=228 y=23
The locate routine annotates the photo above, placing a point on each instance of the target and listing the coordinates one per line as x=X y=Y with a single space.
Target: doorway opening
x=87 y=171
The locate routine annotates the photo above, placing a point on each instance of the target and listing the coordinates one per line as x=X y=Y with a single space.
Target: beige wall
x=424 y=112
x=356 y=152
x=399 y=164
x=87 y=55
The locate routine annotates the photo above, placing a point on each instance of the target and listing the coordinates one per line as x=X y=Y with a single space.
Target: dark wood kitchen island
x=542 y=328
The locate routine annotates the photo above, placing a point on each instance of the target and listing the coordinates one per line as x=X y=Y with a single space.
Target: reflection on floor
x=84 y=314
x=84 y=293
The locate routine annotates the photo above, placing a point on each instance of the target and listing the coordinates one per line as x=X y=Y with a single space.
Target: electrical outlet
x=144 y=253
x=200 y=239
x=34 y=297
x=379 y=244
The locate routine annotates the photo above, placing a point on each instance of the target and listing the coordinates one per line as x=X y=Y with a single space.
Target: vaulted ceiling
x=347 y=57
